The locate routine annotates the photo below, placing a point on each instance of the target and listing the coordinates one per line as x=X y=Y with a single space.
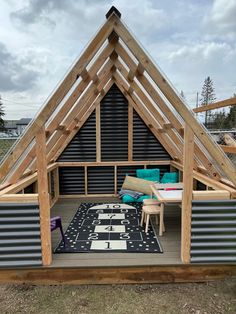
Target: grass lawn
x=197 y=298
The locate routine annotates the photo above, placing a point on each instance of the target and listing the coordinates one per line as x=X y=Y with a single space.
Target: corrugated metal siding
x=71 y=180
x=213 y=233
x=145 y=144
x=83 y=145
x=20 y=242
x=100 y=180
x=114 y=126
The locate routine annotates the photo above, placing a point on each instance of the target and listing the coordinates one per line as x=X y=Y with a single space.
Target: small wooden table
x=166 y=197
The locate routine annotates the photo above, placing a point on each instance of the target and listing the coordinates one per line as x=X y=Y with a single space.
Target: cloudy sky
x=40 y=39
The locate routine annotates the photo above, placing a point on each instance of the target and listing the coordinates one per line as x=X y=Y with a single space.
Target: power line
x=20 y=103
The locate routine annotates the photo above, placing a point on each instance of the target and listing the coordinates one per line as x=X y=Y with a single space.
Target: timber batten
x=121 y=115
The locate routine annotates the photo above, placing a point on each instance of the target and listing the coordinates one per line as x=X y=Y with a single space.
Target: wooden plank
x=115 y=180
x=58 y=95
x=19 y=198
x=23 y=183
x=117 y=275
x=86 y=180
x=176 y=101
x=44 y=203
x=217 y=105
x=206 y=180
x=228 y=149
x=130 y=132
x=56 y=182
x=211 y=195
x=187 y=194
x=112 y=163
x=98 y=134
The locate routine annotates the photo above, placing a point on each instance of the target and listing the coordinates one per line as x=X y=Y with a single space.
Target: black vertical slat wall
x=20 y=241
x=145 y=144
x=114 y=126
x=83 y=145
x=114 y=147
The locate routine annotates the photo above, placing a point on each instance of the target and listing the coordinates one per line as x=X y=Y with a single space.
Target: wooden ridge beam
x=177 y=103
x=217 y=105
x=58 y=95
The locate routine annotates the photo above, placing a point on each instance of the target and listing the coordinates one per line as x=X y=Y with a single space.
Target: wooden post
x=187 y=194
x=44 y=203
x=56 y=183
x=130 y=132
x=98 y=133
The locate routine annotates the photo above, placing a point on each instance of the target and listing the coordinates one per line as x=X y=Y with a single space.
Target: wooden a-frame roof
x=114 y=56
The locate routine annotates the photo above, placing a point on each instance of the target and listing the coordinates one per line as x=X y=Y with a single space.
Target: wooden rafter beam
x=216 y=105
x=88 y=109
x=133 y=85
x=58 y=95
x=144 y=114
x=176 y=101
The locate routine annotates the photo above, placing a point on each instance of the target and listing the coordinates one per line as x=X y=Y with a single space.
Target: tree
x=218 y=121
x=208 y=96
x=230 y=120
x=2 y=114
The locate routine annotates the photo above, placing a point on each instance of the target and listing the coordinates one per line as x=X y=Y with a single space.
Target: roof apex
x=113 y=10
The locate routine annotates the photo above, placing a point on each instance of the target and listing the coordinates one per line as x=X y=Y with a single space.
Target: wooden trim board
x=117 y=275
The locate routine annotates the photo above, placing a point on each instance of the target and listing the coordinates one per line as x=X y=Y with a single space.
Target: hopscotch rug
x=109 y=228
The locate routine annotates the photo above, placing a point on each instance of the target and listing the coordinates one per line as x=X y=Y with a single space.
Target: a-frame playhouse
x=113 y=113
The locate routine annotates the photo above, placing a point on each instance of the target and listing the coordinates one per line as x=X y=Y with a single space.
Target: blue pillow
x=149 y=174
x=170 y=177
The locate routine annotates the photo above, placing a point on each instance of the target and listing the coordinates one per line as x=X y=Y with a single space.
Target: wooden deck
x=170 y=241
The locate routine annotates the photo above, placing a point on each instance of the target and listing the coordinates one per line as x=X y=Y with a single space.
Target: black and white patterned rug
x=109 y=228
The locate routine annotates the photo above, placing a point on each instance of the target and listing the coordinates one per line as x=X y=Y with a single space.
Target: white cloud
x=188 y=39
x=221 y=19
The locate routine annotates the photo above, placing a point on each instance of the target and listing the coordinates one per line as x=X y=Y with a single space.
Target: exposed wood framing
x=187 y=194
x=58 y=95
x=98 y=134
x=216 y=105
x=19 y=198
x=169 y=116
x=175 y=100
x=44 y=203
x=112 y=163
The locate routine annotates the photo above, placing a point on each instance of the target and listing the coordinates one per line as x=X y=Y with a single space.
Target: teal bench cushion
x=149 y=174
x=130 y=199
x=170 y=177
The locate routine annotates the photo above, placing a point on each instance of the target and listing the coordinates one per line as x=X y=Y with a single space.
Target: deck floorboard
x=170 y=241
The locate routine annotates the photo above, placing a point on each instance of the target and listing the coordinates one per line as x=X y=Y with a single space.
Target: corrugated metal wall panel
x=114 y=126
x=71 y=180
x=83 y=145
x=100 y=180
x=122 y=171
x=20 y=241
x=145 y=144
x=213 y=232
